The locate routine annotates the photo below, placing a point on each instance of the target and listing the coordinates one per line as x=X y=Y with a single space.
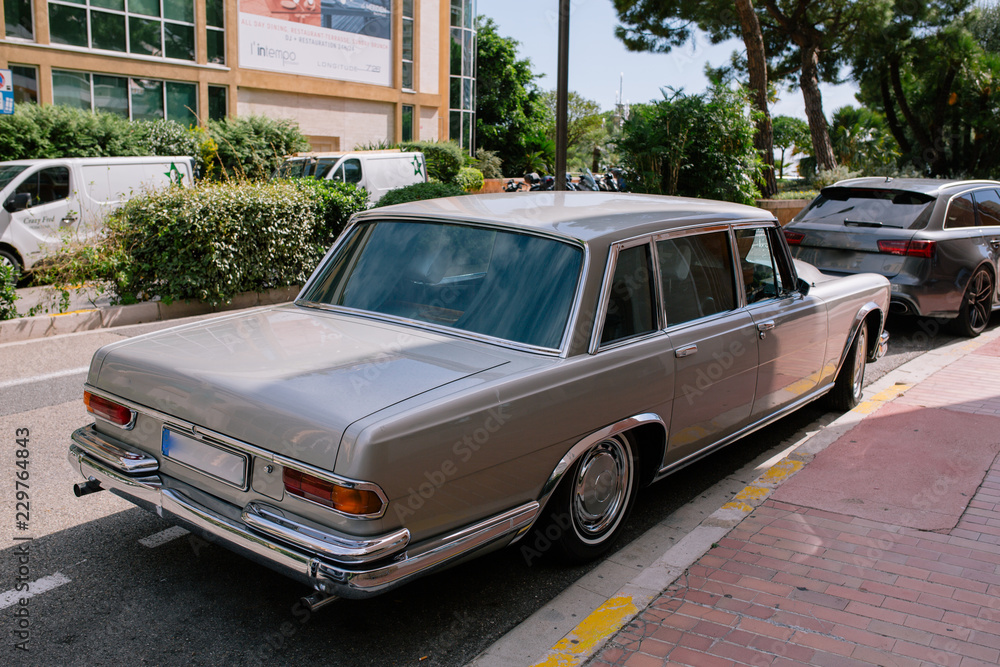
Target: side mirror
x=803 y=286
x=17 y=202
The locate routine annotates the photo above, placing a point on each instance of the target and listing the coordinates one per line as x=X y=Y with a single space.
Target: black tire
x=849 y=385
x=588 y=510
x=8 y=258
x=977 y=304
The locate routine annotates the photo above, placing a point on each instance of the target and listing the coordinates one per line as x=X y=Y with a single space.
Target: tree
x=585 y=127
x=660 y=25
x=790 y=133
x=693 y=145
x=806 y=39
x=862 y=141
x=508 y=103
x=928 y=73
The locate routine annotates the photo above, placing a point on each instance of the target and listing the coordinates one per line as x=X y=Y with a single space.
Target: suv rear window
x=865 y=207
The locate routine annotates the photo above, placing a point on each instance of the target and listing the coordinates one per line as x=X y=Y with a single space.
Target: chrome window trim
x=200 y=433
x=571 y=320
x=975 y=211
x=741 y=287
x=995 y=189
x=725 y=228
x=609 y=271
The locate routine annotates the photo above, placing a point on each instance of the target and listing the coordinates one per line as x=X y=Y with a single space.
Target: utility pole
x=562 y=95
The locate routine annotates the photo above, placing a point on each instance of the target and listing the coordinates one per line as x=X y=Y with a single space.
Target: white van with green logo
x=375 y=171
x=47 y=202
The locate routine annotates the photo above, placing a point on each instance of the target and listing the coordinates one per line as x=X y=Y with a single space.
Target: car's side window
x=630 y=310
x=352 y=171
x=48 y=185
x=988 y=202
x=696 y=276
x=765 y=275
x=961 y=213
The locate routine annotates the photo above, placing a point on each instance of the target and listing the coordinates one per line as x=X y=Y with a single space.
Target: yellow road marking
x=603 y=622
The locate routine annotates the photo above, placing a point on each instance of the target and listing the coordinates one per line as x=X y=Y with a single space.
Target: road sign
x=6 y=92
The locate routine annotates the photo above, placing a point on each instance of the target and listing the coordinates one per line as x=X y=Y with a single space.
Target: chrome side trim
x=390 y=564
x=583 y=445
x=860 y=317
x=676 y=465
x=271 y=521
x=113 y=453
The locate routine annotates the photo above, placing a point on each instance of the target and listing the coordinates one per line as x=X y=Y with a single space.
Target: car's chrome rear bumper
x=338 y=564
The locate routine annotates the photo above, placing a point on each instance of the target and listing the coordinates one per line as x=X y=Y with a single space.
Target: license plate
x=221 y=464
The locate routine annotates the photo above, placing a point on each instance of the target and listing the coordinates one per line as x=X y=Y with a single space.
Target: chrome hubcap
x=601 y=488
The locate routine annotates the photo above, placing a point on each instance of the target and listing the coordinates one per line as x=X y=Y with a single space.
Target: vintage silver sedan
x=458 y=371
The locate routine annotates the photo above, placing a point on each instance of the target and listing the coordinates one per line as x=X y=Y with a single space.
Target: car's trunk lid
x=841 y=229
x=285 y=379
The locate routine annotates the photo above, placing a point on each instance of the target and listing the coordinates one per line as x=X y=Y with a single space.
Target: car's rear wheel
x=589 y=509
x=849 y=385
x=977 y=304
x=9 y=259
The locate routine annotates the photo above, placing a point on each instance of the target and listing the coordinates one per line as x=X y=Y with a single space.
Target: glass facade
x=407 y=64
x=407 y=132
x=462 y=92
x=215 y=31
x=18 y=21
x=143 y=27
x=138 y=99
x=25 y=83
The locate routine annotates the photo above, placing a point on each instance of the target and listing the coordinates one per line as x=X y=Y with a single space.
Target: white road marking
x=41 y=378
x=37 y=587
x=162 y=537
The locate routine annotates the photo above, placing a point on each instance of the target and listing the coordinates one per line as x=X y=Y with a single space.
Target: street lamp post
x=562 y=88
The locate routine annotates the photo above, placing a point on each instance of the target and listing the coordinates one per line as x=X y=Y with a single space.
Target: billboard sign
x=6 y=92
x=348 y=40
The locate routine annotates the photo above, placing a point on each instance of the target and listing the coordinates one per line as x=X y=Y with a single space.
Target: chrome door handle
x=765 y=326
x=995 y=243
x=68 y=220
x=686 y=351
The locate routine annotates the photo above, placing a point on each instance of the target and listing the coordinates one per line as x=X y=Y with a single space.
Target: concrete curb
x=26 y=328
x=590 y=635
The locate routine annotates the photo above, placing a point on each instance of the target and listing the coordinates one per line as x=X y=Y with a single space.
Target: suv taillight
x=911 y=248
x=794 y=238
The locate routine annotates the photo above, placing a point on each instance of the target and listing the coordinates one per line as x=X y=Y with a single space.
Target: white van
x=46 y=202
x=375 y=171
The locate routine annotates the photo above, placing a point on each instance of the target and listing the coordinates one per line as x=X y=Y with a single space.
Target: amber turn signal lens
x=341 y=498
x=102 y=407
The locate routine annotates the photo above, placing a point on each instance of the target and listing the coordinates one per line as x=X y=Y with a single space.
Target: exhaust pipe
x=83 y=488
x=317 y=600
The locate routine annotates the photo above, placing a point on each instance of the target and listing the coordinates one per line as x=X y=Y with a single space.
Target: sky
x=600 y=66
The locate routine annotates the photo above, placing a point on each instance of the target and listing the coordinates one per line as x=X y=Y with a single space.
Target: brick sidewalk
x=796 y=585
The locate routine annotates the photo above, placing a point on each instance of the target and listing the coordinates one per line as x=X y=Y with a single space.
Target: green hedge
x=8 y=294
x=243 y=147
x=215 y=241
x=470 y=179
x=418 y=192
x=444 y=158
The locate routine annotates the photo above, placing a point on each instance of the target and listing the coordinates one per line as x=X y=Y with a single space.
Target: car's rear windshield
x=864 y=207
x=513 y=286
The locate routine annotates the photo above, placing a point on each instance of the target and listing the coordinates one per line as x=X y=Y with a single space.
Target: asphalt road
x=123 y=588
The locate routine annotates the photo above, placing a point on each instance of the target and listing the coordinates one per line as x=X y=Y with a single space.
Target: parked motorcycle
x=587 y=182
x=513 y=186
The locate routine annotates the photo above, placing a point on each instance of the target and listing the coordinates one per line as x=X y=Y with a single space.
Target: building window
x=18 y=19
x=462 y=97
x=407 y=134
x=215 y=31
x=143 y=27
x=137 y=99
x=25 y=84
x=218 y=107
x=407 y=67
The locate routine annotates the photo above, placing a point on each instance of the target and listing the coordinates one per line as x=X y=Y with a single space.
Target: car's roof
x=585 y=216
x=930 y=186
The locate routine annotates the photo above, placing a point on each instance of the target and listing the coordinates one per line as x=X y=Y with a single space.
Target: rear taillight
x=359 y=502
x=794 y=238
x=911 y=248
x=105 y=409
